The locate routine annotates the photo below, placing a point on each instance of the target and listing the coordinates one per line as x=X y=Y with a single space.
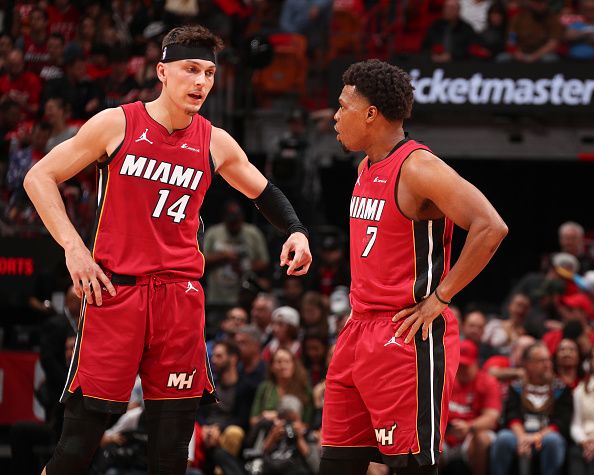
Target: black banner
x=510 y=87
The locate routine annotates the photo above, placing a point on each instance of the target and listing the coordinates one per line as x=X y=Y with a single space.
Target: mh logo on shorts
x=181 y=380
x=385 y=435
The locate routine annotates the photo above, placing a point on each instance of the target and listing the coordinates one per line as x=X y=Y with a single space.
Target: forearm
x=45 y=196
x=279 y=212
x=518 y=429
x=505 y=374
x=484 y=422
x=482 y=241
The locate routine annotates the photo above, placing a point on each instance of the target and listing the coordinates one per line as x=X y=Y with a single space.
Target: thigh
x=406 y=388
x=175 y=363
x=346 y=424
x=108 y=349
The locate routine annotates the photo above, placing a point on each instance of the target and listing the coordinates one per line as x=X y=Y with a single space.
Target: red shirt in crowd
x=470 y=400
x=36 y=55
x=63 y=22
x=27 y=83
x=554 y=337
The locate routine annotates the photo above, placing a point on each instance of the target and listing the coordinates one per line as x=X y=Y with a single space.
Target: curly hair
x=385 y=86
x=193 y=35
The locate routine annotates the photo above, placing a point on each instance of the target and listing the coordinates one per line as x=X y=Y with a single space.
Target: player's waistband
x=153 y=279
x=374 y=315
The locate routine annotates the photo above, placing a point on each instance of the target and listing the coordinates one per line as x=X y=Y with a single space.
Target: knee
x=553 y=442
x=72 y=456
x=506 y=440
x=481 y=440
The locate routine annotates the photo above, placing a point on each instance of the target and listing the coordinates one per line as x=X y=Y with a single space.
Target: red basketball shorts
x=386 y=399
x=153 y=327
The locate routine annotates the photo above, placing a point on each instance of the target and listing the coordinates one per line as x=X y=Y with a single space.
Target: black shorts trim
x=331 y=452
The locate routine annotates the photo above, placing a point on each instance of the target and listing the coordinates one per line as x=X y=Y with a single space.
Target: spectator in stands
x=314 y=313
x=315 y=356
x=293 y=291
x=537 y=415
x=287 y=447
x=450 y=37
x=475 y=407
x=330 y=269
x=56 y=115
x=310 y=18
x=233 y=250
x=576 y=311
x=20 y=86
x=340 y=310
x=86 y=36
x=63 y=18
x=286 y=375
x=285 y=333
x=261 y=315
x=34 y=44
x=235 y=318
x=567 y=363
x=475 y=12
x=534 y=34
x=581 y=455
x=494 y=36
x=501 y=334
x=251 y=367
x=572 y=241
x=220 y=423
x=6 y=46
x=54 y=69
x=507 y=369
x=24 y=152
x=146 y=76
x=473 y=329
x=579 y=33
x=83 y=95
x=120 y=86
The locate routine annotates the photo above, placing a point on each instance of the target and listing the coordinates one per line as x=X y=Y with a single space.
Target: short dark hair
x=193 y=36
x=385 y=86
x=527 y=354
x=230 y=348
x=57 y=36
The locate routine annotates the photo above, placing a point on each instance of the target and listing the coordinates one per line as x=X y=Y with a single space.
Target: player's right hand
x=87 y=276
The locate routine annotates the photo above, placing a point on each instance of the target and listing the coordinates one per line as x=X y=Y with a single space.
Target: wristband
x=445 y=302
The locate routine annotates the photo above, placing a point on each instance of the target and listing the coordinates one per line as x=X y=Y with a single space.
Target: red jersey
x=468 y=401
x=36 y=55
x=395 y=261
x=150 y=191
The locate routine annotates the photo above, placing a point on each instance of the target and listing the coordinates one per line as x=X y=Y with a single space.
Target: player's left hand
x=419 y=315
x=296 y=254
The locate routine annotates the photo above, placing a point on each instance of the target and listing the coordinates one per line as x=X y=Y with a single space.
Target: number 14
x=176 y=210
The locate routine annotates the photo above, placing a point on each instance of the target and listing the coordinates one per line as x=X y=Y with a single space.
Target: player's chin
x=192 y=109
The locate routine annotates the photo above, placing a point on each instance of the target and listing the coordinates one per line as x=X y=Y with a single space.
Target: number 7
x=373 y=231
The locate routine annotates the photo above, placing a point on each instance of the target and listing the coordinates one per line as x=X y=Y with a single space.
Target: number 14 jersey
x=395 y=261
x=150 y=192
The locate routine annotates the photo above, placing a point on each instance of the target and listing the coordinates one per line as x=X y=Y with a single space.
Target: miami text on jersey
x=147 y=168
x=366 y=208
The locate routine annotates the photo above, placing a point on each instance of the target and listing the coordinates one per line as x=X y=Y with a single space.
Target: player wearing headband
x=143 y=307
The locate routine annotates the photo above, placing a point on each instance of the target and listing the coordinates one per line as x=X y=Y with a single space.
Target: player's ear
x=371 y=113
x=161 y=69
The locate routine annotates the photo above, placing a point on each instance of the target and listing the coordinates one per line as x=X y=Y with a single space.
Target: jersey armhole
x=111 y=156
x=397 y=182
x=211 y=163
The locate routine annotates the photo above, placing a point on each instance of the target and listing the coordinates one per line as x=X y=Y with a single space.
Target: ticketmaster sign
x=486 y=86
x=557 y=90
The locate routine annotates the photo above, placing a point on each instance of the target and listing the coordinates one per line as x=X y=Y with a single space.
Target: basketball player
x=395 y=361
x=143 y=308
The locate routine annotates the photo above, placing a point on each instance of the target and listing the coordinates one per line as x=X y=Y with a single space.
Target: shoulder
x=221 y=138
x=111 y=119
x=486 y=382
x=422 y=163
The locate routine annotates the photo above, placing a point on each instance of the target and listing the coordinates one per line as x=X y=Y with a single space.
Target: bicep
x=234 y=166
x=87 y=146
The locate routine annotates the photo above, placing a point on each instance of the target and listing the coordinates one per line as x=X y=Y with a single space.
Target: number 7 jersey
x=150 y=191
x=395 y=261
